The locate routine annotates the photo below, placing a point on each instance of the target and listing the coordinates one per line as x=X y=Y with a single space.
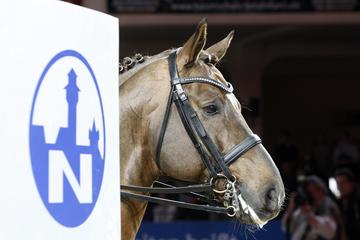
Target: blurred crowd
x=324 y=157
x=314 y=214
x=323 y=200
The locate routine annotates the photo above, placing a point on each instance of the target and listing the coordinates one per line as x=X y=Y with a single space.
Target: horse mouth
x=245 y=204
x=246 y=214
x=242 y=210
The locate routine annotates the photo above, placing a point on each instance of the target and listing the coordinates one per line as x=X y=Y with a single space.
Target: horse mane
x=128 y=66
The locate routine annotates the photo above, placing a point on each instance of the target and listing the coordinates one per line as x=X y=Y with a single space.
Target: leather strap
x=163 y=127
x=207 y=208
x=198 y=196
x=248 y=143
x=203 y=135
x=205 y=158
x=169 y=190
x=229 y=88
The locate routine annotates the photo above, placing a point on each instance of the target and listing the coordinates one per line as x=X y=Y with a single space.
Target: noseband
x=216 y=163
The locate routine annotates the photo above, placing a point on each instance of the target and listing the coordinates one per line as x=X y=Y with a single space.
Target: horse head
x=215 y=120
x=259 y=185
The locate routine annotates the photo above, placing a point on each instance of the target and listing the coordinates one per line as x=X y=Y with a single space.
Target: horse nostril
x=271 y=200
x=270 y=195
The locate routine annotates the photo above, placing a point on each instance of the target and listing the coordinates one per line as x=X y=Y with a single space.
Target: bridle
x=217 y=165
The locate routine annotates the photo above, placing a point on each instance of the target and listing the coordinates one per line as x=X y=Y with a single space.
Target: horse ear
x=218 y=50
x=190 y=52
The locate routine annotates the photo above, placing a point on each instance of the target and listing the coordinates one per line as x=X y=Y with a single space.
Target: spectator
x=349 y=202
x=311 y=214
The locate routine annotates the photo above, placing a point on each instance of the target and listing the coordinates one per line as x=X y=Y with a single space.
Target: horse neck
x=142 y=104
x=143 y=100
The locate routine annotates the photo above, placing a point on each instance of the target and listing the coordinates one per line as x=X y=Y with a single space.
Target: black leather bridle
x=217 y=164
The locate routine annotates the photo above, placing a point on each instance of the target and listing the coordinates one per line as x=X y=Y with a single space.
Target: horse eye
x=211 y=109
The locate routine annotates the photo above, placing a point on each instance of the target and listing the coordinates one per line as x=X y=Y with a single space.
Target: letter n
x=59 y=168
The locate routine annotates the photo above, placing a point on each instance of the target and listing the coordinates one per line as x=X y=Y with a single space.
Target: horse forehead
x=205 y=92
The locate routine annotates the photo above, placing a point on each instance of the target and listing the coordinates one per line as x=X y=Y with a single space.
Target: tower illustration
x=72 y=97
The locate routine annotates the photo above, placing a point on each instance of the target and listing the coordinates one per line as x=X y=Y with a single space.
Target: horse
x=179 y=118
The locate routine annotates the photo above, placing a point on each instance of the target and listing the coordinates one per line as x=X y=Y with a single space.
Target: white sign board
x=59 y=130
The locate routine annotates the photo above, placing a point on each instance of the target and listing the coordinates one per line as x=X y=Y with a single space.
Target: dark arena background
x=295 y=66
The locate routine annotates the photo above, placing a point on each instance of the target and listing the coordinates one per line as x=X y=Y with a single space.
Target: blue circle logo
x=67 y=138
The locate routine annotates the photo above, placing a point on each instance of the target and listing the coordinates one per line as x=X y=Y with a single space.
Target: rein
x=217 y=165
